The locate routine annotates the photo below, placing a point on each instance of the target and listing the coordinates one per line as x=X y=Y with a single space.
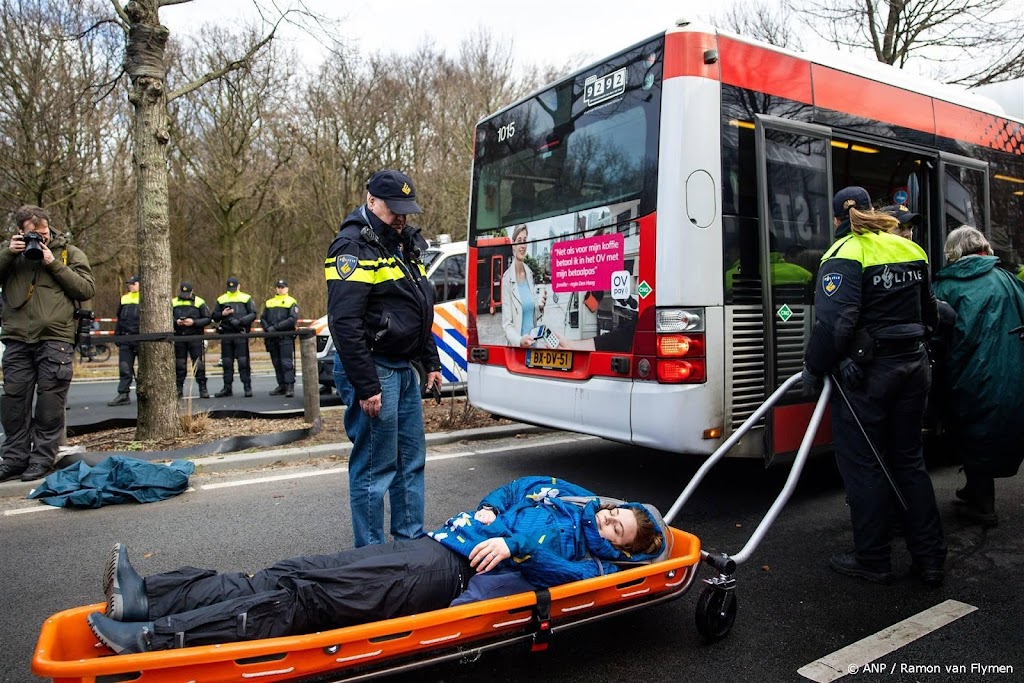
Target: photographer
x=43 y=276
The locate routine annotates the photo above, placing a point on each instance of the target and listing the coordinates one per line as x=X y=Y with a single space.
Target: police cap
x=397 y=191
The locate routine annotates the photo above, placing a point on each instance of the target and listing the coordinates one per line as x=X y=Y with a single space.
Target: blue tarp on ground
x=117 y=479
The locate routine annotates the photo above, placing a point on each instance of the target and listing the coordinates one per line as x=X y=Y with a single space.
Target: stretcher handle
x=794 y=472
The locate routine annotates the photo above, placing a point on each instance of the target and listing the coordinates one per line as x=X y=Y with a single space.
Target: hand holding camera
x=32 y=246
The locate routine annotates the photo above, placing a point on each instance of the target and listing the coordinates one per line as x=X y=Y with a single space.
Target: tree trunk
x=144 y=62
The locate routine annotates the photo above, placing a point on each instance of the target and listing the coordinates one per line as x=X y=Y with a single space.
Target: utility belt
x=896 y=347
x=864 y=347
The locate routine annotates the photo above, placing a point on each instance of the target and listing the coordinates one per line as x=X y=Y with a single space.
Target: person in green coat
x=981 y=370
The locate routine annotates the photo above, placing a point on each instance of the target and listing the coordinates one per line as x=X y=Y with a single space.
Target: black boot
x=121 y=400
x=124 y=588
x=248 y=391
x=203 y=393
x=278 y=390
x=289 y=390
x=848 y=564
x=226 y=391
x=976 y=502
x=34 y=471
x=122 y=637
x=10 y=471
x=180 y=393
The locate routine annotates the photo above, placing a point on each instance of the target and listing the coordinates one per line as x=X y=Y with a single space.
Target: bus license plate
x=549 y=360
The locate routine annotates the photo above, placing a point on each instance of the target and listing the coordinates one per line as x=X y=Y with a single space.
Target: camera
x=33 y=246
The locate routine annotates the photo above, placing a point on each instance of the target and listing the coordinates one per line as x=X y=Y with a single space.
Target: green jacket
x=979 y=379
x=48 y=313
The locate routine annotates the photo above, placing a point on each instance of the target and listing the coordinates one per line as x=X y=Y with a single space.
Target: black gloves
x=851 y=373
x=269 y=327
x=812 y=383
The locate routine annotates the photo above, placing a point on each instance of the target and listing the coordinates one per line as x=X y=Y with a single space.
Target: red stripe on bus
x=843 y=92
x=684 y=55
x=753 y=67
x=789 y=424
x=961 y=123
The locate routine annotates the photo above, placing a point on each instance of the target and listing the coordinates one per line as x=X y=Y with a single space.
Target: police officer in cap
x=281 y=314
x=873 y=308
x=127 y=352
x=234 y=314
x=380 y=310
x=191 y=316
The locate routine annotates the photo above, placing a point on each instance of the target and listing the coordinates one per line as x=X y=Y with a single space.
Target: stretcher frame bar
x=794 y=473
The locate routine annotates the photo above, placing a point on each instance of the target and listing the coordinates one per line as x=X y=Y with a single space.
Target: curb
x=226 y=462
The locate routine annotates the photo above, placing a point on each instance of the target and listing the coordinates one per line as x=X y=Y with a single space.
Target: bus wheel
x=716 y=611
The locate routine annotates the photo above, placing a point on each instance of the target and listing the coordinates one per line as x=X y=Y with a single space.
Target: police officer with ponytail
x=874 y=307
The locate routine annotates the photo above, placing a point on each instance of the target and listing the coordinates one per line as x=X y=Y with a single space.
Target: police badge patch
x=346 y=265
x=830 y=283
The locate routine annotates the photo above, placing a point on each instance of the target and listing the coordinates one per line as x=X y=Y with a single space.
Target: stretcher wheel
x=716 y=610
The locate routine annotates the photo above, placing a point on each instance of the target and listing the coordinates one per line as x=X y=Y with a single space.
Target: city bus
x=661 y=216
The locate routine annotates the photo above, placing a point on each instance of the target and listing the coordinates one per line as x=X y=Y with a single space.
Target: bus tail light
x=682 y=371
x=681 y=346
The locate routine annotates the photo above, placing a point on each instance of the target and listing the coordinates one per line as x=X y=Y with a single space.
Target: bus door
x=963 y=194
x=794 y=162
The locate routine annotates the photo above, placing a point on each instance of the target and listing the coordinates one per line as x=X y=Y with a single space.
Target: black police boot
x=226 y=391
x=122 y=637
x=930 y=575
x=35 y=471
x=121 y=400
x=180 y=393
x=977 y=504
x=848 y=564
x=278 y=390
x=203 y=393
x=289 y=390
x=10 y=471
x=248 y=391
x=124 y=588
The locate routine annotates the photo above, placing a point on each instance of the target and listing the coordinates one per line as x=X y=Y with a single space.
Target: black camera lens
x=33 y=246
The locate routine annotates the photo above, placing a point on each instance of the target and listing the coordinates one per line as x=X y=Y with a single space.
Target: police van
x=445 y=262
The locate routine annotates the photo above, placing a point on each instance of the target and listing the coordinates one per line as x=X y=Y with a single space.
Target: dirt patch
x=452 y=415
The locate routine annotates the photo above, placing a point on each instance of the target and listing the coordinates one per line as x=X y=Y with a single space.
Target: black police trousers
x=890 y=402
x=305 y=594
x=126 y=355
x=40 y=371
x=282 y=355
x=183 y=350
x=232 y=350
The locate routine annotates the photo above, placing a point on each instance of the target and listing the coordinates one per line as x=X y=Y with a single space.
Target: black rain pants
x=305 y=594
x=126 y=355
x=282 y=355
x=232 y=350
x=890 y=403
x=183 y=350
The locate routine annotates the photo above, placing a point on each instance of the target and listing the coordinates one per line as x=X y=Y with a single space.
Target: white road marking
x=852 y=658
x=265 y=480
x=41 y=507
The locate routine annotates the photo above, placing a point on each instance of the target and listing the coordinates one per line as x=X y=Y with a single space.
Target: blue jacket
x=552 y=540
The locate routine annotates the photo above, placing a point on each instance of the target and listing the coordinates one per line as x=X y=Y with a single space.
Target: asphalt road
x=792 y=609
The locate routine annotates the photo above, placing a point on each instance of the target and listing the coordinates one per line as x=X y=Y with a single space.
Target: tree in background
x=967 y=42
x=56 y=146
x=146 y=43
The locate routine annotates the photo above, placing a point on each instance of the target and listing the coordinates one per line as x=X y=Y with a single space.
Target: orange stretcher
x=68 y=652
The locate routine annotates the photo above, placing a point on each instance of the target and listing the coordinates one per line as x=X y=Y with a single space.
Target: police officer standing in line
x=127 y=352
x=280 y=314
x=234 y=314
x=191 y=316
x=873 y=307
x=380 y=310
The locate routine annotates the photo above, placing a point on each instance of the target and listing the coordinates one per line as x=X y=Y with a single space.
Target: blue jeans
x=388 y=456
